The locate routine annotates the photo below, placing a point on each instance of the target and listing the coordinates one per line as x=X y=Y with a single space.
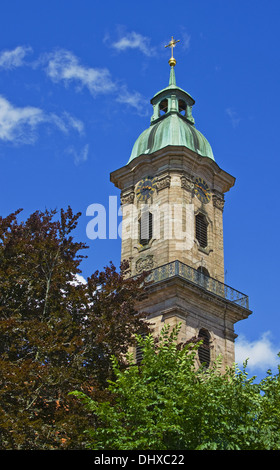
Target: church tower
x=172 y=196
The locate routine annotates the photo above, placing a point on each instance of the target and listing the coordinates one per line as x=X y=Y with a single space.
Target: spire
x=172 y=99
x=172 y=78
x=172 y=62
x=173 y=42
x=172 y=122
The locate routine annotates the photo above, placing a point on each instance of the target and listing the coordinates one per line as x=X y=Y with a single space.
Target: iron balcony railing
x=176 y=268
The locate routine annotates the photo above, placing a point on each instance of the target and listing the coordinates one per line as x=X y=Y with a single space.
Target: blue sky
x=76 y=78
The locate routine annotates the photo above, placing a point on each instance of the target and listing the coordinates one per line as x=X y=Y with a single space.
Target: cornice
x=171 y=158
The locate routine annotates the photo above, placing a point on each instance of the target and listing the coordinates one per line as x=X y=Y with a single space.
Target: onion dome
x=172 y=123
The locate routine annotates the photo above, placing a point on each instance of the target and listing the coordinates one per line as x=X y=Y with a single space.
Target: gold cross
x=172 y=45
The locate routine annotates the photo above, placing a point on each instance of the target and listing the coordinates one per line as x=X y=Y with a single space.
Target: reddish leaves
x=56 y=336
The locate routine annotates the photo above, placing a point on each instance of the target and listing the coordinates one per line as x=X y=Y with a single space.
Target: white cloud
x=63 y=65
x=79 y=279
x=74 y=123
x=133 y=99
x=235 y=119
x=261 y=353
x=19 y=124
x=185 y=41
x=81 y=156
x=14 y=58
x=65 y=122
x=134 y=40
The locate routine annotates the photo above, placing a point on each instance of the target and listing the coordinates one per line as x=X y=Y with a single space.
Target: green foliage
x=56 y=334
x=167 y=403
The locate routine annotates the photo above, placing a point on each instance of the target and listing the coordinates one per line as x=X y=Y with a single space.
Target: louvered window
x=163 y=106
x=182 y=107
x=146 y=228
x=201 y=230
x=204 y=348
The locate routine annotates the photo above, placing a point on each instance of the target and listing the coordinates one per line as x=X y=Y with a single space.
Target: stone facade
x=174 y=205
x=174 y=171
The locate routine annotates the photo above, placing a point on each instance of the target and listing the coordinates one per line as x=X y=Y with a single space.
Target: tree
x=56 y=334
x=166 y=403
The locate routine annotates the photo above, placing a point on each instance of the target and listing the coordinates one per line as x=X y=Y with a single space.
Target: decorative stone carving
x=144 y=264
x=163 y=182
x=127 y=198
x=186 y=182
x=218 y=201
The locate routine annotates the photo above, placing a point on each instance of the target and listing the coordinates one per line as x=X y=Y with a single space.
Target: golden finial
x=172 y=61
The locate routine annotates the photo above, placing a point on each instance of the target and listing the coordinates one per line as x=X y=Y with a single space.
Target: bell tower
x=172 y=196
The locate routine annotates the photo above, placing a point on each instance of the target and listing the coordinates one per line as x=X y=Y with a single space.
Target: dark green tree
x=166 y=403
x=56 y=334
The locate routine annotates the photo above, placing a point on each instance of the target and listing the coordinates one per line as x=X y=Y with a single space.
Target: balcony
x=209 y=284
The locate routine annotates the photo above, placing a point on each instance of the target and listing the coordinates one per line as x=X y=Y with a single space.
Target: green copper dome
x=171 y=124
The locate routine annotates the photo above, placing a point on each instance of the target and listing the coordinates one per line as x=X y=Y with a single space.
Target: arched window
x=182 y=107
x=163 y=107
x=204 y=348
x=145 y=228
x=201 y=230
